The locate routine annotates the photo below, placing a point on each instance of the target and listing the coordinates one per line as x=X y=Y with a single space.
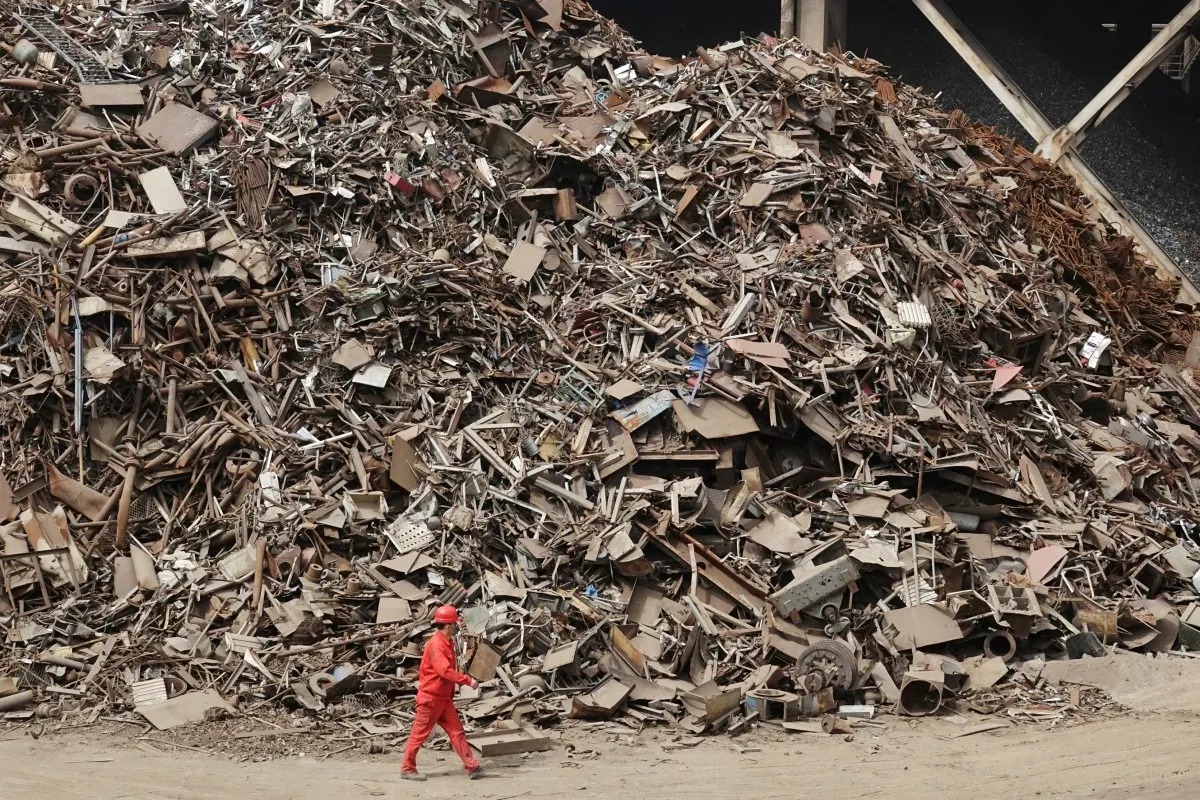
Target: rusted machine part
x=812 y=682
x=546 y=379
x=533 y=685
x=1000 y=644
x=832 y=724
x=319 y=682
x=831 y=659
x=81 y=189
x=919 y=697
x=814 y=305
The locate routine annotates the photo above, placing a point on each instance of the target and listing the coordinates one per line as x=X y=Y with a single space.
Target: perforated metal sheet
x=407 y=535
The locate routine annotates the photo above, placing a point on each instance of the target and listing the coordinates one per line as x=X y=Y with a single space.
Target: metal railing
x=1179 y=63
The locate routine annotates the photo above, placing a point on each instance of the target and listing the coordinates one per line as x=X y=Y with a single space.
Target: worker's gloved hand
x=474 y=684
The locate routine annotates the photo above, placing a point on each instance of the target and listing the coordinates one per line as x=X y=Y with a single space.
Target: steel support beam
x=787 y=18
x=1136 y=71
x=820 y=24
x=1026 y=112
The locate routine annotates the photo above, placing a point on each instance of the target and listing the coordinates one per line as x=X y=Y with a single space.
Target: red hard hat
x=445 y=615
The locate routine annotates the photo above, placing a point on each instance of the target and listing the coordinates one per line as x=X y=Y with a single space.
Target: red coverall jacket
x=435 y=704
x=439 y=670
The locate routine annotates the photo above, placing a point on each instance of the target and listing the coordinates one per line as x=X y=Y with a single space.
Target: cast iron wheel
x=832 y=658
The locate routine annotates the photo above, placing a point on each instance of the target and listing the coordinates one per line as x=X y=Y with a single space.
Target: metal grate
x=86 y=64
x=31 y=678
x=408 y=535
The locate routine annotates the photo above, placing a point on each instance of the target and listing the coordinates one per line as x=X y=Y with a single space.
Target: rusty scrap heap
x=713 y=390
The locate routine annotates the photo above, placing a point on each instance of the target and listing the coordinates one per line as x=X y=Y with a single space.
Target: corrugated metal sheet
x=240 y=644
x=914 y=315
x=147 y=693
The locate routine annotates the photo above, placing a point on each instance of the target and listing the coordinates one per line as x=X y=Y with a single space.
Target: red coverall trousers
x=434 y=711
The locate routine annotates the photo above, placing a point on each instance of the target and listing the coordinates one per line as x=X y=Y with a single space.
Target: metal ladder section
x=1179 y=63
x=86 y=64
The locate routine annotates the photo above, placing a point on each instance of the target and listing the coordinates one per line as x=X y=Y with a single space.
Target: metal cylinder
x=534 y=684
x=25 y=52
x=60 y=661
x=831 y=724
x=967 y=523
x=81 y=189
x=319 y=682
x=814 y=304
x=920 y=698
x=16 y=700
x=1000 y=644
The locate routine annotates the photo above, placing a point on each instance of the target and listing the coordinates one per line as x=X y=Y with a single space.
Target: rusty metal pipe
x=1000 y=644
x=16 y=700
x=122 y=532
x=73 y=147
x=920 y=698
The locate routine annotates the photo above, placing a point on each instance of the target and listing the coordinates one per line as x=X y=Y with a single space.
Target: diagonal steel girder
x=1122 y=85
x=1006 y=90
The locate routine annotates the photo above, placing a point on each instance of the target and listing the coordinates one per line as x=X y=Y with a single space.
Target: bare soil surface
x=1135 y=754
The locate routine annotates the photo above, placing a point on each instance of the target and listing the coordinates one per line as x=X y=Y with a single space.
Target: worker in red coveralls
x=439 y=676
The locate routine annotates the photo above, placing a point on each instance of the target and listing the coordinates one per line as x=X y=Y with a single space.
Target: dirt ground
x=1149 y=751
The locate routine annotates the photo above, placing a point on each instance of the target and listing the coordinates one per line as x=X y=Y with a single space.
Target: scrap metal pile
x=733 y=388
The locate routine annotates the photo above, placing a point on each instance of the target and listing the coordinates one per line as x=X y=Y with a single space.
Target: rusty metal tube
x=16 y=700
x=73 y=147
x=920 y=698
x=122 y=532
x=1000 y=644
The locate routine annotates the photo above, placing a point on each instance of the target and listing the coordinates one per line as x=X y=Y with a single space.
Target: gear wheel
x=831 y=658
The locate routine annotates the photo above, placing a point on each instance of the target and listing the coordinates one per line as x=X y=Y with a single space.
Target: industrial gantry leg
x=1059 y=145
x=820 y=24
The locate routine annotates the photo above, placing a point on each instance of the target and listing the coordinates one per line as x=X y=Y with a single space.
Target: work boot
x=412 y=776
x=476 y=773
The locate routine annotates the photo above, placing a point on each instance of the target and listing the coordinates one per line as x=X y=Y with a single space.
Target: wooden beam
x=1026 y=112
x=1135 y=72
